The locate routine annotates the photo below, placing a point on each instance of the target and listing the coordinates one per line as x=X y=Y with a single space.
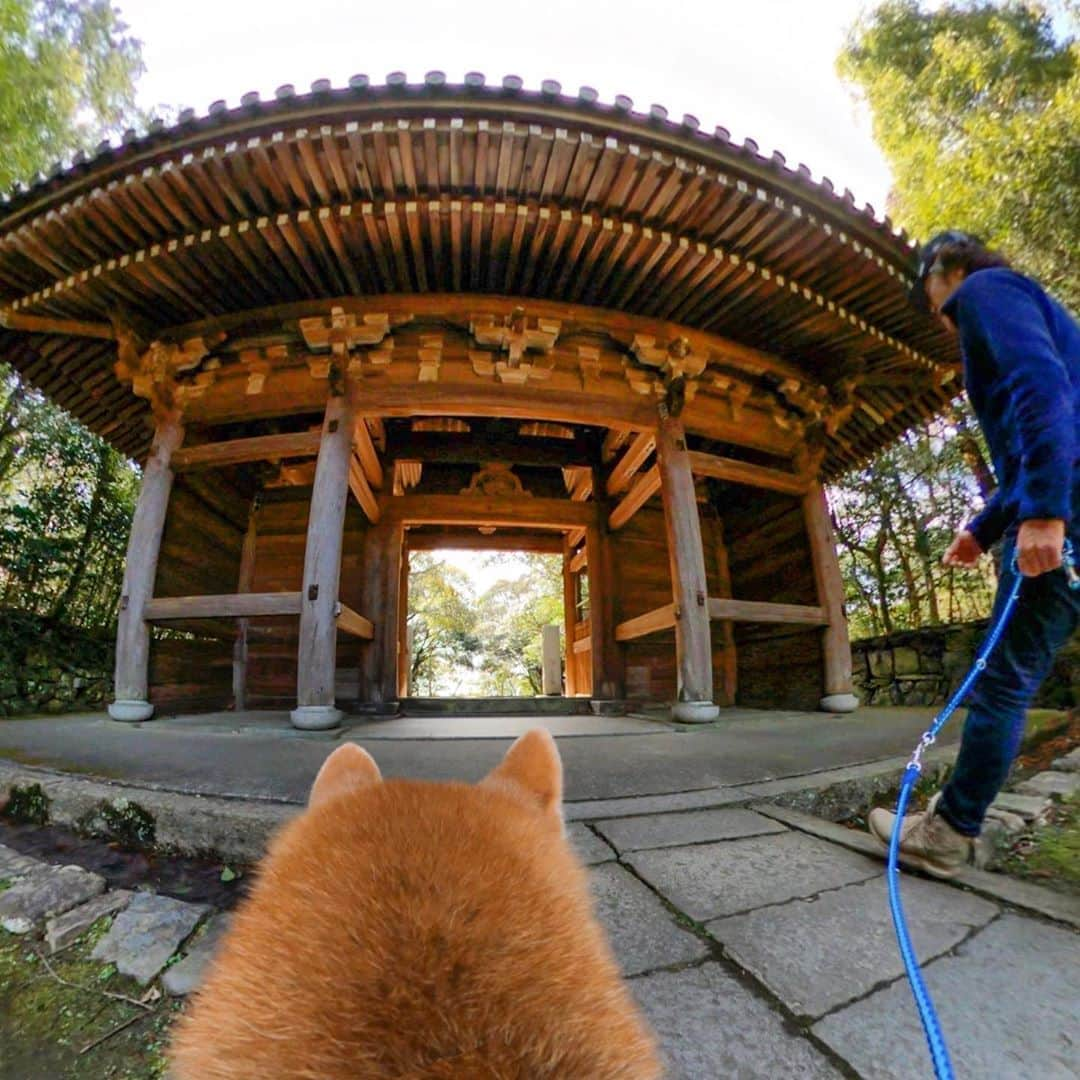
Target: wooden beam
x=583 y=485
x=644 y=488
x=358 y=485
x=472 y=449
x=226 y=605
x=550 y=543
x=258 y=448
x=629 y=464
x=607 y=660
x=483 y=510
x=351 y=623
x=243 y=585
x=613 y=442
x=569 y=618
x=575 y=536
x=365 y=450
x=693 y=638
x=741 y=472
x=579 y=560
x=39 y=324
x=730 y=668
x=661 y=618
x=583 y=645
x=759 y=611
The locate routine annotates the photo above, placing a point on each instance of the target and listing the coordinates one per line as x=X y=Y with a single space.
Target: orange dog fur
x=421 y=930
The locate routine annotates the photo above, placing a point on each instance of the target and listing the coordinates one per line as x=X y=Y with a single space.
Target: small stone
x=64 y=929
x=905 y=660
x=1069 y=763
x=145 y=935
x=186 y=975
x=51 y=891
x=1028 y=807
x=1062 y=784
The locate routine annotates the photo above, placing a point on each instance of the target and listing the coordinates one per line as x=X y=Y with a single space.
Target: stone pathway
x=756 y=948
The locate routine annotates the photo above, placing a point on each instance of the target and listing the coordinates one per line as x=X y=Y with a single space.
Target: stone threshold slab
x=1018 y=894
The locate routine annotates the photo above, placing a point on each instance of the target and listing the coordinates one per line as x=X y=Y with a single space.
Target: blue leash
x=939 y=1052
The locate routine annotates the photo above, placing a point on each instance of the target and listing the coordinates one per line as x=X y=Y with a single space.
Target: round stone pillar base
x=316 y=717
x=130 y=712
x=839 y=703
x=694 y=712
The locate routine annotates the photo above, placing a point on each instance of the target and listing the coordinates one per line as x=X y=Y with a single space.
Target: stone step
x=62 y=930
x=1069 y=763
x=49 y=891
x=1062 y=784
x=502 y=706
x=1028 y=807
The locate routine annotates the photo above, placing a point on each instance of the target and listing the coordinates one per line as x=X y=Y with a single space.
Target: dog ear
x=533 y=767
x=348 y=768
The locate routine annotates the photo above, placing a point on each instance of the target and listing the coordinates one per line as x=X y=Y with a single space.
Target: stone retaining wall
x=51 y=668
x=923 y=667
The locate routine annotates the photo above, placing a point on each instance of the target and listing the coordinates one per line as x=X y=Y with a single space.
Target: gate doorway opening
x=483 y=623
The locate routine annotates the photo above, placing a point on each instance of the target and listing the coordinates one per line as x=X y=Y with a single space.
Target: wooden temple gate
x=374 y=321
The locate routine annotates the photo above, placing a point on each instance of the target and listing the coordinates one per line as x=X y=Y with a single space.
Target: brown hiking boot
x=927 y=841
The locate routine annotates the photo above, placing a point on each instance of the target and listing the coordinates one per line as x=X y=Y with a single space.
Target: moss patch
x=28 y=805
x=121 y=820
x=1050 y=854
x=44 y=1025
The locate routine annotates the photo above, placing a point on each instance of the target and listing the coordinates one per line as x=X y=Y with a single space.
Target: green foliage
x=894 y=519
x=66 y=500
x=977 y=109
x=441 y=625
x=27 y=805
x=67 y=74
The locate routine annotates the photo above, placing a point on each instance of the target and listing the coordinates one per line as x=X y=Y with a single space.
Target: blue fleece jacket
x=1021 y=353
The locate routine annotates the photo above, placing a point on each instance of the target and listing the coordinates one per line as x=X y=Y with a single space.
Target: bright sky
x=762 y=69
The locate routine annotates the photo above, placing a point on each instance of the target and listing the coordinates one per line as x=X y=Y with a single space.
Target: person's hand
x=1039 y=546
x=964 y=551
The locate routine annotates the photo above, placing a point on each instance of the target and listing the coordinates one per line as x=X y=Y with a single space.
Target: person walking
x=1021 y=354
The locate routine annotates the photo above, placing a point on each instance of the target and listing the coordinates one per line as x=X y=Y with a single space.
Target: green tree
x=67 y=79
x=977 y=109
x=441 y=625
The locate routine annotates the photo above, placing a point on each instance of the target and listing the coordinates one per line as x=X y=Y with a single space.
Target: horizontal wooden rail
x=224 y=605
x=236 y=451
x=351 y=623
x=486 y=510
x=662 y=618
x=758 y=611
x=742 y=472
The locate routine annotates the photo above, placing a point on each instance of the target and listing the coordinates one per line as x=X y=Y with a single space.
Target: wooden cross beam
x=644 y=488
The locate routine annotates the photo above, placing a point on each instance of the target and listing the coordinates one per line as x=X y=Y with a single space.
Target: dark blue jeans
x=1047 y=614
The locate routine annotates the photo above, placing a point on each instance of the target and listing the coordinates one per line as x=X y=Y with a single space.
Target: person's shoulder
x=996 y=280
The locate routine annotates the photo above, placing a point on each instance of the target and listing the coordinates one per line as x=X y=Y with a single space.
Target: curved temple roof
x=404 y=189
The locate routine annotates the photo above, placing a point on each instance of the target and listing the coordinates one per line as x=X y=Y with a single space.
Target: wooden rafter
x=361 y=489
x=644 y=488
x=627 y=468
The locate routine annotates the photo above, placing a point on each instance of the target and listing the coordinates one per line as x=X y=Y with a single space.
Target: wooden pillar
x=243 y=585
x=727 y=627
x=389 y=642
x=317 y=654
x=404 y=664
x=140 y=572
x=693 y=640
x=606 y=654
x=569 y=618
x=839 y=690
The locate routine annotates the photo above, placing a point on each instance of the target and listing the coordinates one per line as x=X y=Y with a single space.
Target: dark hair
x=968 y=256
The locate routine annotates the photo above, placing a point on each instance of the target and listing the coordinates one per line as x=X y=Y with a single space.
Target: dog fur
x=408 y=929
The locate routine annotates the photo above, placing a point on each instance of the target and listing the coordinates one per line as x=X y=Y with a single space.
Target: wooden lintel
x=258 y=448
x=661 y=618
x=226 y=605
x=644 y=488
x=364 y=449
x=535 y=544
x=758 y=611
x=741 y=472
x=352 y=623
x=487 y=511
x=460 y=449
x=40 y=324
x=361 y=489
x=624 y=472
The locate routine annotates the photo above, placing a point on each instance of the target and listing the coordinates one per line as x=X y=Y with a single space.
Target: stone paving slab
x=62 y=930
x=49 y=891
x=643 y=933
x=1069 y=763
x=589 y=847
x=692 y=827
x=1008 y=1001
x=1063 y=784
x=186 y=975
x=707 y=881
x=711 y=1027
x=145 y=935
x=598 y=809
x=817 y=954
x=14 y=864
x=1028 y=807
